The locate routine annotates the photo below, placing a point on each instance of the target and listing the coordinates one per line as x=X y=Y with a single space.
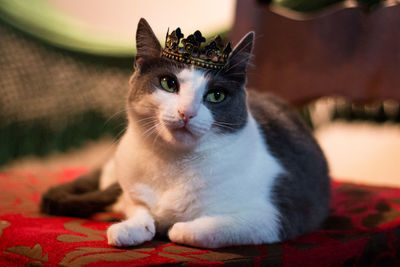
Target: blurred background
x=65 y=65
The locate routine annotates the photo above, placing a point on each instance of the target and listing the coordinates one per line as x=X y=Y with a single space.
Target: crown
x=213 y=56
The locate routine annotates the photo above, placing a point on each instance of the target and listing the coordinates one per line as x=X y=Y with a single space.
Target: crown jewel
x=213 y=56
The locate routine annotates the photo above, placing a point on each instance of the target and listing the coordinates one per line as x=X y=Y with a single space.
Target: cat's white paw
x=128 y=233
x=192 y=234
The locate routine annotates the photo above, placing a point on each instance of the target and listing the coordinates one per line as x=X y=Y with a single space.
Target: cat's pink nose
x=185 y=116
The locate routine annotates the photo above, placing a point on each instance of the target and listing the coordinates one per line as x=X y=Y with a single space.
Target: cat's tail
x=80 y=198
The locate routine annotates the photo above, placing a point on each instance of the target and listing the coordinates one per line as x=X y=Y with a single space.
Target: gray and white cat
x=203 y=160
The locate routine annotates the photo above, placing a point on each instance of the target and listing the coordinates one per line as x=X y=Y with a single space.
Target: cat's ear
x=238 y=60
x=147 y=44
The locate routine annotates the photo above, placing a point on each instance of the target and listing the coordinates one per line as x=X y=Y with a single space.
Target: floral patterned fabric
x=363 y=229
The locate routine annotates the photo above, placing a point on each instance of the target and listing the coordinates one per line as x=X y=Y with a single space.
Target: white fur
x=216 y=194
x=189 y=101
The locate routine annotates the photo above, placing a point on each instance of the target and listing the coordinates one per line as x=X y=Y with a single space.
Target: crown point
x=213 y=56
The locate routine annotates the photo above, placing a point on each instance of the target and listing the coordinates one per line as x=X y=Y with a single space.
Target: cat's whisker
x=158 y=133
x=114 y=115
x=117 y=127
x=155 y=140
x=119 y=135
x=147 y=124
x=150 y=107
x=227 y=123
x=224 y=126
x=150 y=131
x=155 y=131
x=143 y=109
x=147 y=119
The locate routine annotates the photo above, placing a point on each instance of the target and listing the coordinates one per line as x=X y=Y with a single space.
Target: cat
x=203 y=160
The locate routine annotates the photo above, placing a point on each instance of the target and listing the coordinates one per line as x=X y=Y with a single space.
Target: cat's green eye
x=215 y=96
x=169 y=84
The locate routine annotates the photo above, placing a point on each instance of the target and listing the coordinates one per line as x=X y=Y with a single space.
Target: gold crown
x=213 y=56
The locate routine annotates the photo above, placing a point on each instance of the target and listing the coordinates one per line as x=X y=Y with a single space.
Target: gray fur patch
x=302 y=194
x=147 y=76
x=231 y=114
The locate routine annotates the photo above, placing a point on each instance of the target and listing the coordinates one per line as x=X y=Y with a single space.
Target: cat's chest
x=171 y=194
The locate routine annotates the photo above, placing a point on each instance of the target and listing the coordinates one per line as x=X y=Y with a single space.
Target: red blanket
x=362 y=230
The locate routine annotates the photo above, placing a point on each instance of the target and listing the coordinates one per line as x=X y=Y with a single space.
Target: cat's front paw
x=128 y=233
x=192 y=234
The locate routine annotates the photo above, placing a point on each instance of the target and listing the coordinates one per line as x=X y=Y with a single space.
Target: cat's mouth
x=182 y=130
x=180 y=133
x=183 y=135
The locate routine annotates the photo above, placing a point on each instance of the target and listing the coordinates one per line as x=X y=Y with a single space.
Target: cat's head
x=179 y=105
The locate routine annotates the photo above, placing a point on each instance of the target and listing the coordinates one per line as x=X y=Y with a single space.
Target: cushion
x=362 y=229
